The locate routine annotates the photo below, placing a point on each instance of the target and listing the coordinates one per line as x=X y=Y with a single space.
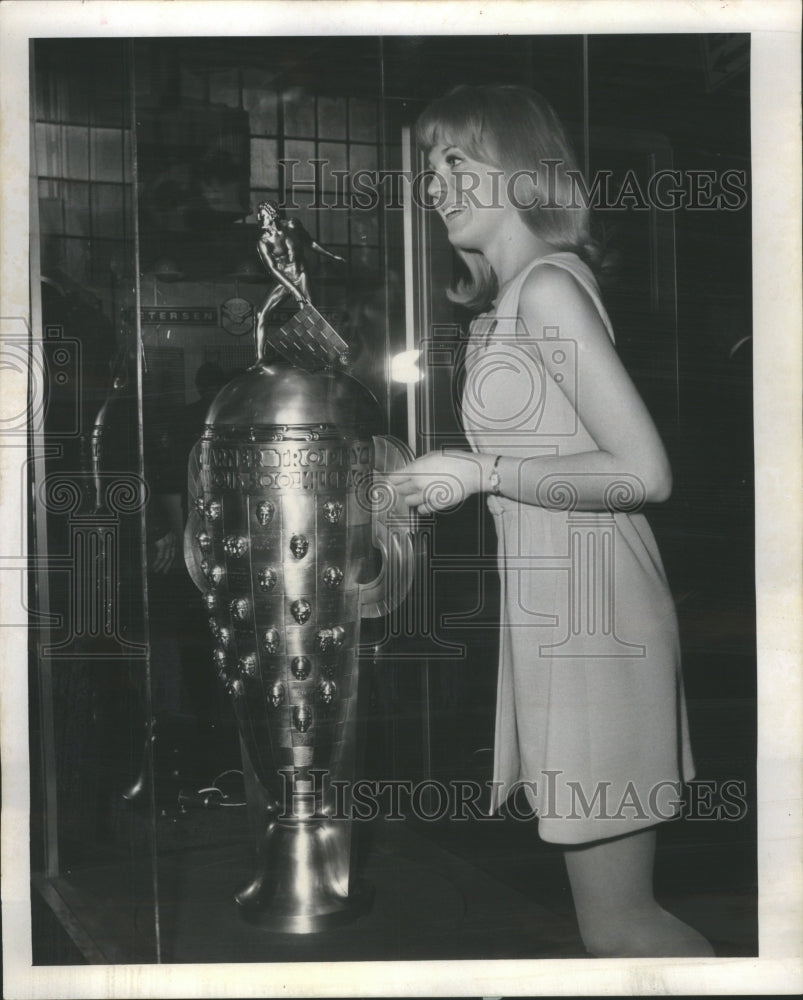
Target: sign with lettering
x=184 y=315
x=209 y=315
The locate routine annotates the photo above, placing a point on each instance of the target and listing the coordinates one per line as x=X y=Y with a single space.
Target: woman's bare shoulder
x=552 y=295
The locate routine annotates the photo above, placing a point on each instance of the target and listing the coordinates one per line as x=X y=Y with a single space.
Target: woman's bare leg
x=611 y=884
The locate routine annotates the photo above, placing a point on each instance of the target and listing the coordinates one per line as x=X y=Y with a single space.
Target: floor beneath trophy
x=443 y=890
x=497 y=892
x=428 y=905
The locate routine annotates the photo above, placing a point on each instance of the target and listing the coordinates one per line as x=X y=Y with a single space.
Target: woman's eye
x=452 y=160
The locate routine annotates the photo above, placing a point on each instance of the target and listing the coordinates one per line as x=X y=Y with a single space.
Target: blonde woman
x=590 y=714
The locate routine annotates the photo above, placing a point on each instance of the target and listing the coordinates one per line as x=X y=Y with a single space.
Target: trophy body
x=281 y=540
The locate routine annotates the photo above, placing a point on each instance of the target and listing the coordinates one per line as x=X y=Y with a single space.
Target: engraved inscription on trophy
x=253 y=467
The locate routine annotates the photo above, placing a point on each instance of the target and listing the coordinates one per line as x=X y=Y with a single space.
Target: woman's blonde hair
x=515 y=129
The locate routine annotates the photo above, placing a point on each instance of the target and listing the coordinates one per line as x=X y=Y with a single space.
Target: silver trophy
x=292 y=540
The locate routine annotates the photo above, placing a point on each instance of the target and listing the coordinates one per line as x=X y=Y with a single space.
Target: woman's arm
x=604 y=397
x=630 y=467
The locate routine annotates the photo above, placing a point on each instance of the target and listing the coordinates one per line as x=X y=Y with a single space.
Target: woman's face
x=471 y=198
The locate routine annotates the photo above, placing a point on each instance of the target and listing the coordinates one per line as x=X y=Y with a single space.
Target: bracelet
x=495 y=479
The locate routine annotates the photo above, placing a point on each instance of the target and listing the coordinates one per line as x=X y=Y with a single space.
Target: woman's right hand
x=440 y=481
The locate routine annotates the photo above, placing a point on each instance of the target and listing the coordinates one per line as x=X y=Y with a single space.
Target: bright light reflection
x=404 y=367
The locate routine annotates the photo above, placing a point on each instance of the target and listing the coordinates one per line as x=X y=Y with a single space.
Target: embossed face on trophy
x=299 y=546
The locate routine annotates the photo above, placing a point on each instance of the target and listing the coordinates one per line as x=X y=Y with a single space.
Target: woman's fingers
x=414 y=498
x=426 y=487
x=427 y=492
x=402 y=485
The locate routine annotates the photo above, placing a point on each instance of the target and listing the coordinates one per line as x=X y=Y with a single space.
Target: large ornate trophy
x=292 y=541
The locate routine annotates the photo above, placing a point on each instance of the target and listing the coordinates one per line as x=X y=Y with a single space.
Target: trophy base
x=298 y=886
x=331 y=912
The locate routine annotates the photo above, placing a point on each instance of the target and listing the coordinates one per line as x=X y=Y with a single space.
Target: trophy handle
x=192 y=557
x=392 y=530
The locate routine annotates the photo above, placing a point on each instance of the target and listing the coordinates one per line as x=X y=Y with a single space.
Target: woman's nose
x=436 y=188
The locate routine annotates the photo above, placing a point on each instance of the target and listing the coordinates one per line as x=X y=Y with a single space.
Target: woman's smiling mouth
x=452 y=211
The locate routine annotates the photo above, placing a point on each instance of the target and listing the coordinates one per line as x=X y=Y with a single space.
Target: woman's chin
x=461 y=242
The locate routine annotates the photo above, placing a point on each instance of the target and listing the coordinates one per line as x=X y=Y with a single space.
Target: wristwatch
x=495 y=479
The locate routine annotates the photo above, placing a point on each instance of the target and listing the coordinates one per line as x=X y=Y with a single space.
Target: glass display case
x=151 y=159
x=90 y=679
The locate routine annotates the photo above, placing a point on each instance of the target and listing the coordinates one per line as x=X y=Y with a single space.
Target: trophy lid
x=272 y=394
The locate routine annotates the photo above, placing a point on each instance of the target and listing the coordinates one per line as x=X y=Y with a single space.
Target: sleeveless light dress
x=590 y=711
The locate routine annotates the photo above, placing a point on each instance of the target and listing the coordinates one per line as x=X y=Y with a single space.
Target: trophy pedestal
x=296 y=889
